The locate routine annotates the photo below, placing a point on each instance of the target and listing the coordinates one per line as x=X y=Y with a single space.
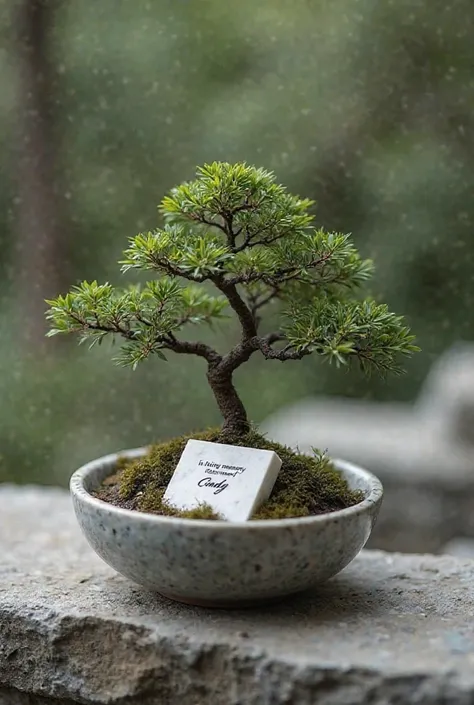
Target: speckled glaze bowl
x=217 y=563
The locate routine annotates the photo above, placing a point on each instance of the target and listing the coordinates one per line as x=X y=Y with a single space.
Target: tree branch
x=282 y=275
x=239 y=354
x=229 y=220
x=247 y=206
x=275 y=337
x=166 y=266
x=212 y=223
x=238 y=305
x=125 y=332
x=191 y=348
x=255 y=304
x=227 y=227
x=287 y=353
x=247 y=243
x=169 y=341
x=244 y=350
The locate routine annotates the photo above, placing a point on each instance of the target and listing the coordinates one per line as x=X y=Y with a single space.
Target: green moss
x=203 y=511
x=306 y=485
x=149 y=476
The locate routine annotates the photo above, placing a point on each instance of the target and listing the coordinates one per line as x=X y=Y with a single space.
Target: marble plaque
x=233 y=480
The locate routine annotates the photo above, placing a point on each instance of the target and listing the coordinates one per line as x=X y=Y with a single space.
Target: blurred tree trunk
x=39 y=265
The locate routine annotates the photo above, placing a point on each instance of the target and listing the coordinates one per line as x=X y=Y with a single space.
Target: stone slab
x=390 y=629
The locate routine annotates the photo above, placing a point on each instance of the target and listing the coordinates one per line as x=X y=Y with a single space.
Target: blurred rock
x=447 y=398
x=460 y=548
x=423 y=453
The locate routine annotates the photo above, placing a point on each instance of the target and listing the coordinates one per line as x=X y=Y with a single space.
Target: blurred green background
x=365 y=106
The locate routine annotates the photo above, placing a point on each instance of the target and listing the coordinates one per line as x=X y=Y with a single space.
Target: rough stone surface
x=423 y=453
x=389 y=629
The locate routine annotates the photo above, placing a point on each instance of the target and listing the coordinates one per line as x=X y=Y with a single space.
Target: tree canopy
x=235 y=228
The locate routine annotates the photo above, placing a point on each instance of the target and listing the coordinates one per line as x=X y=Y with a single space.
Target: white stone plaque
x=233 y=480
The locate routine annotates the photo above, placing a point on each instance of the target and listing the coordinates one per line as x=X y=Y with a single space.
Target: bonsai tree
x=233 y=243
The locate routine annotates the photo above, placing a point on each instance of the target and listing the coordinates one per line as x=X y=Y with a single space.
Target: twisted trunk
x=230 y=405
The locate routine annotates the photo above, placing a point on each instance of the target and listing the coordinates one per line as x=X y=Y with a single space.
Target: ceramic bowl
x=218 y=563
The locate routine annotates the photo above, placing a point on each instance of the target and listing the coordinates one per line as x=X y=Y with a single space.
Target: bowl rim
x=78 y=490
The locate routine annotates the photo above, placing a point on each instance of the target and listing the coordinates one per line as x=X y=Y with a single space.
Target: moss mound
x=306 y=485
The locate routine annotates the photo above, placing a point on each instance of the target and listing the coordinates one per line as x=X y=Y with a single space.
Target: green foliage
x=235 y=228
x=340 y=330
x=143 y=316
x=242 y=196
x=172 y=250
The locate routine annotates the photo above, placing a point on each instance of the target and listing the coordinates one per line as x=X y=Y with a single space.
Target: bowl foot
x=225 y=604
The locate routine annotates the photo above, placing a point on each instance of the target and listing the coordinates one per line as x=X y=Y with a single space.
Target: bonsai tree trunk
x=230 y=405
